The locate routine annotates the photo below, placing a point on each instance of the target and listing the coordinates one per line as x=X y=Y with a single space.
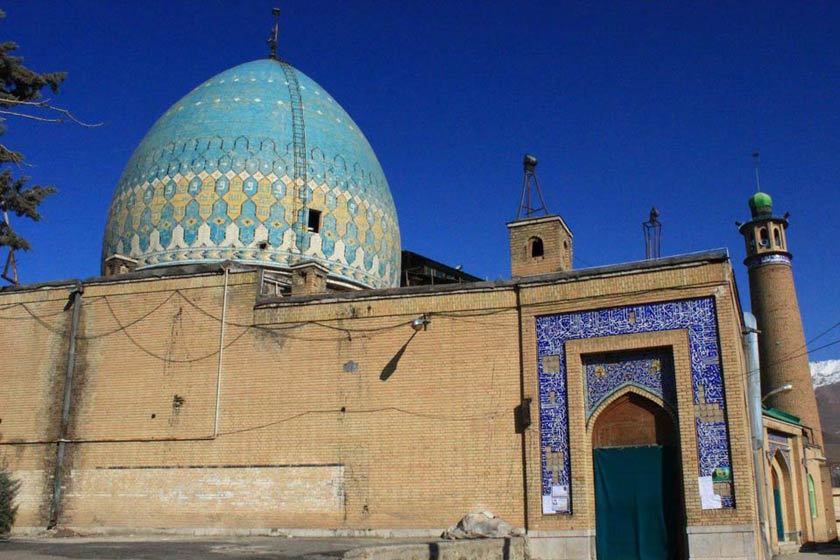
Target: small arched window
x=763 y=238
x=812 y=496
x=535 y=247
x=777 y=236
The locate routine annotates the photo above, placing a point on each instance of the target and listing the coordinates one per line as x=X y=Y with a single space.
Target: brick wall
x=332 y=412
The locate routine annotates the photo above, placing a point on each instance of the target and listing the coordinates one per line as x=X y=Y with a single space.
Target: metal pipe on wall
x=756 y=426
x=226 y=268
x=58 y=474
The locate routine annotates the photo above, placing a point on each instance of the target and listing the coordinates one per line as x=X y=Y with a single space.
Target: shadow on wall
x=392 y=364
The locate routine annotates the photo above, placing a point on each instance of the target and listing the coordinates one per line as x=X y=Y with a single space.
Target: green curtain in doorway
x=636 y=506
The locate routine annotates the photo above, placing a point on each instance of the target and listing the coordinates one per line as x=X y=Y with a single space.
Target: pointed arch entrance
x=783 y=505
x=639 y=508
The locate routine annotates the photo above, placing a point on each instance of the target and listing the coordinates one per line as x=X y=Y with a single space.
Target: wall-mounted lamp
x=783 y=389
x=420 y=323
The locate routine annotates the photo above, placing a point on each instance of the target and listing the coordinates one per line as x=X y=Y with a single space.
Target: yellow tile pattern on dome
x=218 y=177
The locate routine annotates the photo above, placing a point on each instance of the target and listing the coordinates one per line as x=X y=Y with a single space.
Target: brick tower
x=538 y=245
x=782 y=350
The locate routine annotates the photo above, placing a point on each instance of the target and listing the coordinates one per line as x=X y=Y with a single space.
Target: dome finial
x=760 y=203
x=756 y=162
x=272 y=39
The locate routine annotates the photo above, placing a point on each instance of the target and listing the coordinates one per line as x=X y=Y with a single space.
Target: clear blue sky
x=627 y=105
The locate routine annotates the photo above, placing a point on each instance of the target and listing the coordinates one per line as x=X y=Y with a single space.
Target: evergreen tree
x=8 y=510
x=21 y=97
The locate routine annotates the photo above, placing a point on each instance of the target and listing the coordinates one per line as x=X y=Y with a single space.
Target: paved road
x=187 y=548
x=221 y=548
x=823 y=554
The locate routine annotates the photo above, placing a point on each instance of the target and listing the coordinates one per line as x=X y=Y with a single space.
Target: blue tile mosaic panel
x=651 y=370
x=697 y=316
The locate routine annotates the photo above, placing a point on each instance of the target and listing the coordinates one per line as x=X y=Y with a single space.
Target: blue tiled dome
x=258 y=165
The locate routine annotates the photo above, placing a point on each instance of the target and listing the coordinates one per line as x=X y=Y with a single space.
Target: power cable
x=440 y=417
x=130 y=324
x=163 y=358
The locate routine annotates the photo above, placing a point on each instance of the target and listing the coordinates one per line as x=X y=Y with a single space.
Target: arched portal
x=639 y=508
x=782 y=499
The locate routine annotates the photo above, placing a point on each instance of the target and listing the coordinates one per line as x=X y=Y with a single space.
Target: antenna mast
x=530 y=183
x=272 y=39
x=653 y=235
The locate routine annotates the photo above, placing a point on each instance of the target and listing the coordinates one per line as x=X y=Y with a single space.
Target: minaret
x=782 y=350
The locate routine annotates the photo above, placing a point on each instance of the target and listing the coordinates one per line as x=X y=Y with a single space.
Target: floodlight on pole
x=420 y=323
x=783 y=389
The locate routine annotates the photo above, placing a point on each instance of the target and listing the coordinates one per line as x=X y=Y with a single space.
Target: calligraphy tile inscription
x=697 y=316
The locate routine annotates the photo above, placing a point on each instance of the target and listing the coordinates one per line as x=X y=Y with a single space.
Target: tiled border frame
x=675 y=342
x=697 y=316
x=662 y=384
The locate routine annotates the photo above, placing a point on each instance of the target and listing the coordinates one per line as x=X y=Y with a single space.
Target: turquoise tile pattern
x=215 y=179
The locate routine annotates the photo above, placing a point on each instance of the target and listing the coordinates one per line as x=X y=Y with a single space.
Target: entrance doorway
x=780 y=481
x=777 y=505
x=639 y=511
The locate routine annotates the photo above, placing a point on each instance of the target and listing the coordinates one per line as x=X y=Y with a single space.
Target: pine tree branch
x=9 y=156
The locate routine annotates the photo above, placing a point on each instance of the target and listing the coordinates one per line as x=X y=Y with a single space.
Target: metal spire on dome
x=272 y=39
x=302 y=214
x=756 y=162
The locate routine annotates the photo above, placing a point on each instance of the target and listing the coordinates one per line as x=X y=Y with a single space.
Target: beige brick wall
x=32 y=327
x=332 y=413
x=417 y=446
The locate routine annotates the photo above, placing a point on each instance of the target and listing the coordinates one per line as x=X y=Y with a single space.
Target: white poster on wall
x=708 y=498
x=558 y=501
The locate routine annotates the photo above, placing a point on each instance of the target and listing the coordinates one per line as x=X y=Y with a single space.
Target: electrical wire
x=25 y=304
x=164 y=358
x=130 y=324
x=440 y=417
x=825 y=332
x=279 y=327
x=43 y=323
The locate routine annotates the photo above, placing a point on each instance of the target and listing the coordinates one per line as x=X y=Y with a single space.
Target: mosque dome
x=257 y=165
x=761 y=204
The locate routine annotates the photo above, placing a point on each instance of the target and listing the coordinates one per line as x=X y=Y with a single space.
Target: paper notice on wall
x=708 y=498
x=557 y=501
x=548 y=505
